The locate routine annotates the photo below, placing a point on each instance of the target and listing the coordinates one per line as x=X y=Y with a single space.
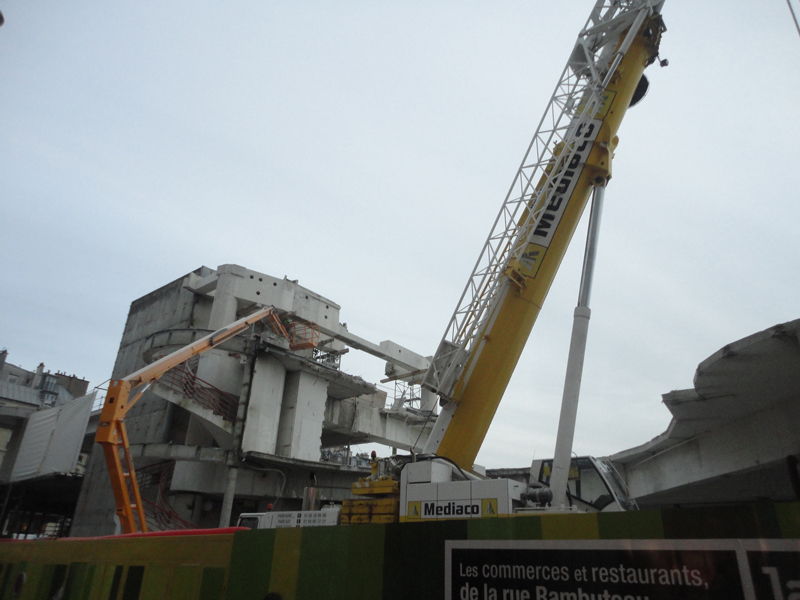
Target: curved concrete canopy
x=730 y=436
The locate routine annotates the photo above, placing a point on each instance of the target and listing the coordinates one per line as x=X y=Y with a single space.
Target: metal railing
x=181 y=379
x=154 y=480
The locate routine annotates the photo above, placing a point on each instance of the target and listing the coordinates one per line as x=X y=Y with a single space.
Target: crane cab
x=593 y=485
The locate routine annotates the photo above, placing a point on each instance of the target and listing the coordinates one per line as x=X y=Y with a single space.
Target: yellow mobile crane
x=569 y=157
x=124 y=393
x=485 y=337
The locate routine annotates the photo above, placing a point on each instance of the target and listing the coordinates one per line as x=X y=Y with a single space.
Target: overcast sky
x=364 y=148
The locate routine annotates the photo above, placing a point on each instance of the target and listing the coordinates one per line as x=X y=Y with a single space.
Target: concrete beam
x=387 y=350
x=16 y=411
x=179 y=453
x=367 y=422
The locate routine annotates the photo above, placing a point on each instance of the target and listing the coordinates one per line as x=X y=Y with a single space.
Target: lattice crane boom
x=570 y=153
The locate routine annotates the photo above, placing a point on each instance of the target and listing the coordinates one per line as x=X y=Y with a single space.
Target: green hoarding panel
x=711 y=523
x=213 y=583
x=414 y=558
x=251 y=563
x=636 y=525
x=788 y=517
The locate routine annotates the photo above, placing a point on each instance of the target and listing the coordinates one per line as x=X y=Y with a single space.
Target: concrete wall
x=13 y=430
x=16 y=374
x=76 y=386
x=171 y=306
x=264 y=409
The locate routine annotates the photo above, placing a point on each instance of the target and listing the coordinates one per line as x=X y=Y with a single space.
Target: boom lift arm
x=570 y=154
x=124 y=393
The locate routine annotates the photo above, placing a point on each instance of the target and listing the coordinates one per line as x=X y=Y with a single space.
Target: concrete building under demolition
x=256 y=420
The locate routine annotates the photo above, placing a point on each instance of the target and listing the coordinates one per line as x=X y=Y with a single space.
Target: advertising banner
x=623 y=570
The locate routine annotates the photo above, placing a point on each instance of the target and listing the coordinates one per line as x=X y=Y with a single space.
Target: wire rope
x=794 y=16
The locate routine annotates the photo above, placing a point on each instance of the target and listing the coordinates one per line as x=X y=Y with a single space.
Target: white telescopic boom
x=562 y=459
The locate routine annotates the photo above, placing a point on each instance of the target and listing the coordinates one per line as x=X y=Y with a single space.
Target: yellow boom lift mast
x=124 y=393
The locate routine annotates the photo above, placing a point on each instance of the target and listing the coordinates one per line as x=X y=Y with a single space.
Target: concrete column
x=264 y=410
x=429 y=400
x=216 y=367
x=223 y=311
x=197 y=508
x=227 y=499
x=302 y=413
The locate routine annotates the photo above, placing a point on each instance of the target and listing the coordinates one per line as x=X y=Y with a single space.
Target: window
x=584 y=483
x=251 y=522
